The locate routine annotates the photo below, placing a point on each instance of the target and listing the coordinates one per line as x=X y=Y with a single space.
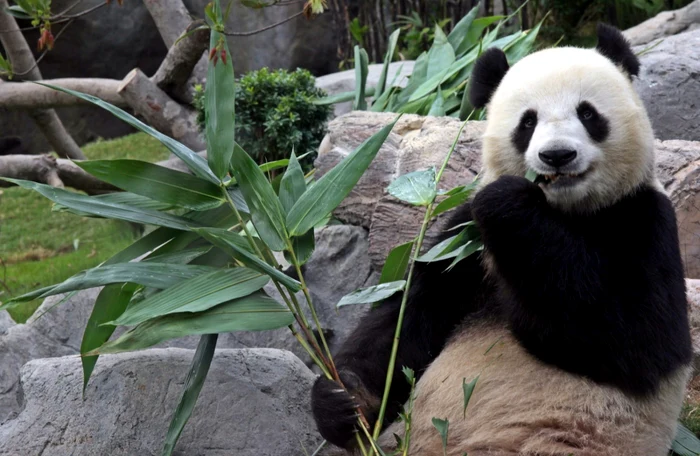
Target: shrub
x=275 y=114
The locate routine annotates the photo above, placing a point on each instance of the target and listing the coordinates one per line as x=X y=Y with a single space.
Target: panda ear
x=613 y=45
x=488 y=71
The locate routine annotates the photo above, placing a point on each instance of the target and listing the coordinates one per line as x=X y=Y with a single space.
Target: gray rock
x=693 y=293
x=664 y=24
x=669 y=84
x=6 y=322
x=254 y=402
x=344 y=81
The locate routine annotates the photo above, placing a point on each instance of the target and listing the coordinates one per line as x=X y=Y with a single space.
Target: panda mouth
x=560 y=180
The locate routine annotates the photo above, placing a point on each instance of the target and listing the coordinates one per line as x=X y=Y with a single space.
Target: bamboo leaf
x=460 y=32
x=106 y=209
x=256 y=312
x=264 y=205
x=361 y=64
x=194 y=162
x=219 y=103
x=127 y=198
x=342 y=97
x=464 y=251
x=391 y=49
x=442 y=427
x=292 y=185
x=396 y=263
x=441 y=54
x=468 y=389
x=475 y=31
x=325 y=195
x=196 y=376
x=453 y=200
x=195 y=295
x=437 y=109
x=372 y=294
x=156 y=182
x=418 y=188
x=523 y=46
x=685 y=442
x=155 y=275
x=237 y=246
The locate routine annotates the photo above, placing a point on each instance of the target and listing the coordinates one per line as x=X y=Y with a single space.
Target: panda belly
x=521 y=406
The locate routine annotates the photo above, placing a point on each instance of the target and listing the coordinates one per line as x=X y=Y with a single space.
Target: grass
x=39 y=247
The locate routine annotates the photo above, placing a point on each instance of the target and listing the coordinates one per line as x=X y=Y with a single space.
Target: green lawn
x=39 y=247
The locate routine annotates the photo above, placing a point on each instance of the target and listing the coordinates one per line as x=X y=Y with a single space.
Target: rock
x=254 y=402
x=344 y=81
x=669 y=85
x=693 y=293
x=419 y=142
x=6 y=322
x=664 y=24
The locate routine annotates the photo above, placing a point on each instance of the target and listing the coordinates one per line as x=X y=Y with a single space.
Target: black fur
x=599 y=295
x=596 y=125
x=613 y=45
x=488 y=71
x=522 y=134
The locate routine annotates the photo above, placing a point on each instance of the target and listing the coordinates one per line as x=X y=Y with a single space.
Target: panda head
x=572 y=116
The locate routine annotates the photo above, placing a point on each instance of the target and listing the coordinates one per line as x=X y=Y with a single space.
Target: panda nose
x=557 y=157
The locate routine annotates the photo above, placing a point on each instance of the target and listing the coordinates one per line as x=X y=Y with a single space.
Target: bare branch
x=159 y=110
x=25 y=95
x=43 y=54
x=21 y=56
x=179 y=63
x=264 y=29
x=60 y=172
x=171 y=18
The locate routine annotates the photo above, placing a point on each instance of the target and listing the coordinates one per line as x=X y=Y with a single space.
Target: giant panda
x=574 y=317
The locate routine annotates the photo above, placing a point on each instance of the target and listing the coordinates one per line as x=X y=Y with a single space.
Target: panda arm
x=438 y=302
x=600 y=294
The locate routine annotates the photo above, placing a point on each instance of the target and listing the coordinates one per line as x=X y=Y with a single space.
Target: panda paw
x=335 y=410
x=507 y=196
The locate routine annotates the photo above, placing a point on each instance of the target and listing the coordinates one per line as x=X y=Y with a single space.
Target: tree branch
x=25 y=95
x=171 y=18
x=268 y=27
x=60 y=172
x=21 y=56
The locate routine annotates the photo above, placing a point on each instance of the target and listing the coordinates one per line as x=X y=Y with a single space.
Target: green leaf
x=475 y=31
x=464 y=251
x=418 y=188
x=196 y=376
x=409 y=374
x=195 y=295
x=263 y=203
x=361 y=64
x=452 y=201
x=155 y=275
x=372 y=294
x=460 y=32
x=110 y=303
x=685 y=442
x=156 y=182
x=523 y=46
x=256 y=312
x=396 y=263
x=324 y=196
x=437 y=109
x=194 y=162
x=441 y=54
x=531 y=175
x=18 y=12
x=342 y=97
x=442 y=427
x=219 y=103
x=276 y=164
x=178 y=256
x=303 y=246
x=446 y=248
x=106 y=209
x=293 y=184
x=237 y=246
x=391 y=49
x=468 y=389
x=127 y=198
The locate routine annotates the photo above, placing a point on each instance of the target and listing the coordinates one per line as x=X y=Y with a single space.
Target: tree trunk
x=29 y=96
x=159 y=110
x=23 y=61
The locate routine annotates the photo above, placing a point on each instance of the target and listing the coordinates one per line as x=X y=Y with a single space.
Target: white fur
x=553 y=82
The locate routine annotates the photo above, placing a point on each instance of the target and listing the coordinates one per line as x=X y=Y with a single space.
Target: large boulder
x=420 y=142
x=254 y=402
x=669 y=85
x=664 y=24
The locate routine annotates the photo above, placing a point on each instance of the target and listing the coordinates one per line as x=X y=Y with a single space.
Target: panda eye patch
x=595 y=124
x=522 y=134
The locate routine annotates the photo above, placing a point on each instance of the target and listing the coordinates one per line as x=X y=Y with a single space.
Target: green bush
x=275 y=114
